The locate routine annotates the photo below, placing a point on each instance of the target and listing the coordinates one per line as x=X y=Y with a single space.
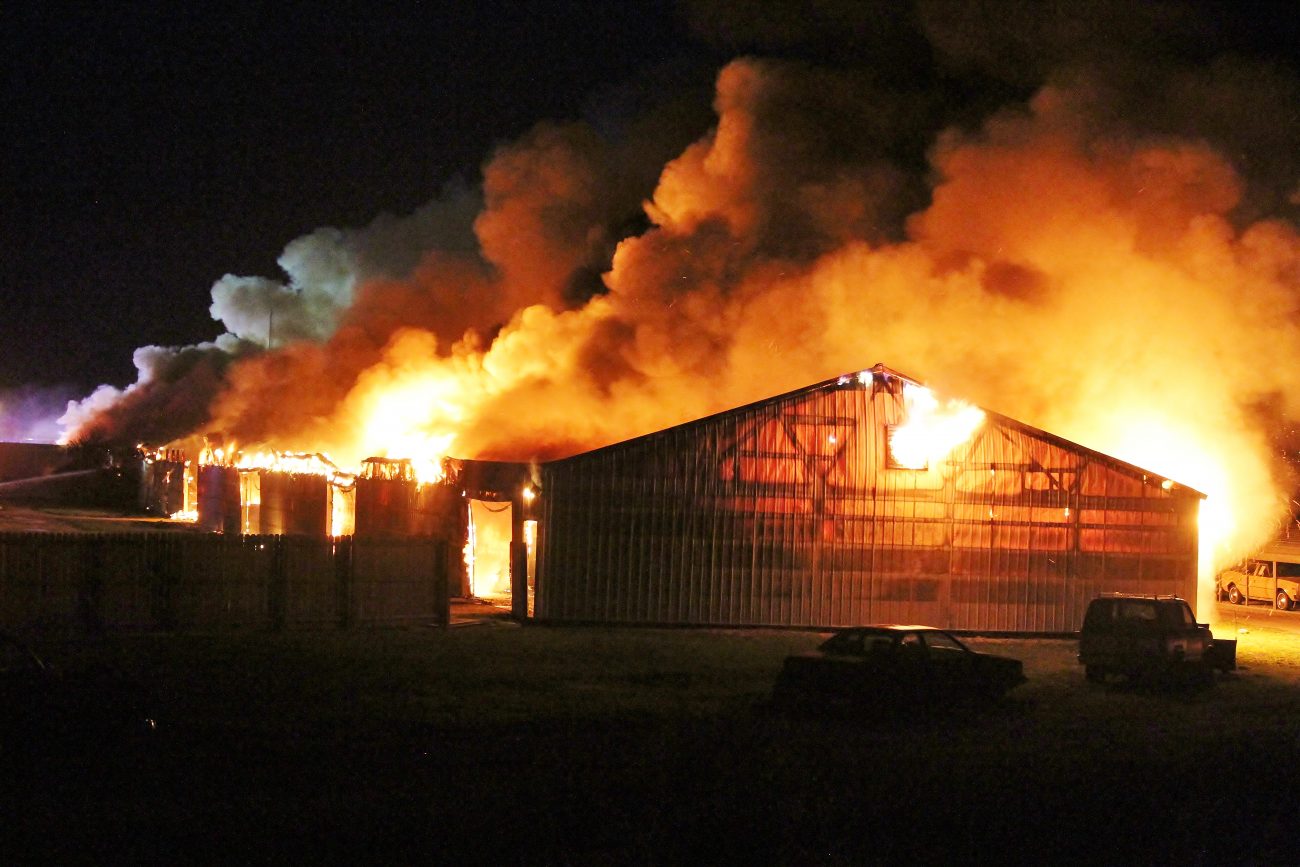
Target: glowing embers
x=299 y=463
x=930 y=430
x=862 y=377
x=402 y=470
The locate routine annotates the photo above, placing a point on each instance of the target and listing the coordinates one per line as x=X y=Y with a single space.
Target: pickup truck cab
x=1141 y=636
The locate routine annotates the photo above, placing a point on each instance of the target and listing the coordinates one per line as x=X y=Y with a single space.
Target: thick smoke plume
x=1118 y=264
x=30 y=414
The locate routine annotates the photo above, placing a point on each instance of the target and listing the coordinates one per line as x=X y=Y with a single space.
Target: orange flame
x=931 y=429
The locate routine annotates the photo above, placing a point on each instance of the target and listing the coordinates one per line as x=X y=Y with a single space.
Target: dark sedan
x=890 y=665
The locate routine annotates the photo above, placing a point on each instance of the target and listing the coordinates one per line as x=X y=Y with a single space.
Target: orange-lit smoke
x=1065 y=271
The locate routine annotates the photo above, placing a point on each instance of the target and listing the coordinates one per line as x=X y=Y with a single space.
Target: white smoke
x=31 y=414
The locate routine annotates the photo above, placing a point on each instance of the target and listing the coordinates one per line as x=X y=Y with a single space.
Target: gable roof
x=879 y=373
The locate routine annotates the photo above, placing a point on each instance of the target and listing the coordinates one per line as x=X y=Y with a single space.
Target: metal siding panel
x=636 y=562
x=767 y=544
x=598 y=573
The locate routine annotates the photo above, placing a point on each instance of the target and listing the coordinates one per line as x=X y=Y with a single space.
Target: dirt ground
x=20 y=518
x=493 y=742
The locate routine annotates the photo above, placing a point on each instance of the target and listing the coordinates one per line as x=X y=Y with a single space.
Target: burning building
x=1125 y=284
x=858 y=499
x=477 y=505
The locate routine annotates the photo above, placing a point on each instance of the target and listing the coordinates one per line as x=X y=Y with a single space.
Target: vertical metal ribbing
x=790 y=547
x=639 y=496
x=687 y=546
x=652 y=509
x=759 y=607
x=585 y=601
x=609 y=576
x=728 y=524
x=599 y=541
x=713 y=519
x=696 y=582
x=561 y=572
x=548 y=573
x=615 y=589
x=623 y=575
x=674 y=610
x=664 y=521
x=615 y=586
x=658 y=539
x=681 y=543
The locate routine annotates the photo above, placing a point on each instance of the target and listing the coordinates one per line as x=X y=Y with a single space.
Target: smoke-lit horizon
x=1114 y=259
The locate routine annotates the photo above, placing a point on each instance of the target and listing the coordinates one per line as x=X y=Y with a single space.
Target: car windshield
x=843 y=643
x=942 y=641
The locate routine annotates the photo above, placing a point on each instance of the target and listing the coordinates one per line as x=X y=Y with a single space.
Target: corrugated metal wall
x=786 y=513
x=219 y=505
x=294 y=504
x=385 y=507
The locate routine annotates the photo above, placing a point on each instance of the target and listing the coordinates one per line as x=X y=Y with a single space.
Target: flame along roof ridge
x=880 y=369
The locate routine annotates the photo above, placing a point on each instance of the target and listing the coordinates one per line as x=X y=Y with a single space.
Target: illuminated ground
x=492 y=742
x=24 y=518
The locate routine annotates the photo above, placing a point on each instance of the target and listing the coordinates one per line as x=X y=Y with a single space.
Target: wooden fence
x=163 y=581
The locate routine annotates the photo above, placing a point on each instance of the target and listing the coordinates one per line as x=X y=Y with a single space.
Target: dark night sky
x=148 y=153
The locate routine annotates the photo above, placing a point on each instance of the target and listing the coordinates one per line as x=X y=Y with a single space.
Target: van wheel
x=1282 y=601
x=1234 y=595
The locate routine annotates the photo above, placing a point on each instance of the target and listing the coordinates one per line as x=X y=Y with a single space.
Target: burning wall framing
x=386 y=500
x=788 y=512
x=858 y=499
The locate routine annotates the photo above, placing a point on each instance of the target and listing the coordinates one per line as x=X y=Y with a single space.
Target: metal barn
x=794 y=511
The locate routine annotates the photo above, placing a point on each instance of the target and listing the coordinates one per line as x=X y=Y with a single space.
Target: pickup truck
x=1142 y=636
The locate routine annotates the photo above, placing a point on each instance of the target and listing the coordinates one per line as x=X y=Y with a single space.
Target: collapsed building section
x=478 y=506
x=859 y=499
x=855 y=501
x=167 y=487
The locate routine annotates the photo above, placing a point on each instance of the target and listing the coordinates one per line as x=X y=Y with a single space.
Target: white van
x=1272 y=574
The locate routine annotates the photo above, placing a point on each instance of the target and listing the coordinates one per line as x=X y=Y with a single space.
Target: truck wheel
x=1234 y=595
x=1282 y=601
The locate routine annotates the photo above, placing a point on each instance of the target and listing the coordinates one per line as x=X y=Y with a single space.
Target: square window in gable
x=901 y=454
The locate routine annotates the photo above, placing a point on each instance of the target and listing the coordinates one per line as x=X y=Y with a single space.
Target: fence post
x=278 y=582
x=441 y=584
x=90 y=586
x=519 y=581
x=162 y=590
x=343 y=580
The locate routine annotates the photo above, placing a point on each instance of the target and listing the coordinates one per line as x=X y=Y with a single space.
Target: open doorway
x=487 y=550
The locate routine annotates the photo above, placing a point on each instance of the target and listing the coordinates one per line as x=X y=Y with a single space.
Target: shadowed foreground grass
x=586 y=745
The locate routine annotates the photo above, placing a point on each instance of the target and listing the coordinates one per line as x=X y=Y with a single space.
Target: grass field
x=496 y=743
